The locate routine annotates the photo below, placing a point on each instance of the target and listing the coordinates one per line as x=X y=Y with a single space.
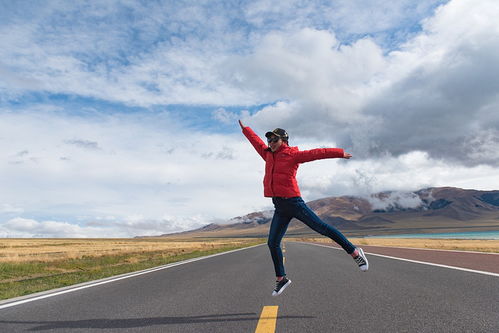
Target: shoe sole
x=365 y=258
x=282 y=289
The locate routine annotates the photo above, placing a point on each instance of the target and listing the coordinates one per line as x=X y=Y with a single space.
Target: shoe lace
x=359 y=260
x=278 y=284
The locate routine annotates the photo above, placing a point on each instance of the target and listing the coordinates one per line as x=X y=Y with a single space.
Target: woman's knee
x=273 y=244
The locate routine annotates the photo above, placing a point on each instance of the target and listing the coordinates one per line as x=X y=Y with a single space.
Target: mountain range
x=430 y=210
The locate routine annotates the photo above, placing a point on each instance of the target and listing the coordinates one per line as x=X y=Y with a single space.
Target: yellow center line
x=268 y=320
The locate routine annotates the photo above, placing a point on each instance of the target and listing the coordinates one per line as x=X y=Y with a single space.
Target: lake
x=449 y=235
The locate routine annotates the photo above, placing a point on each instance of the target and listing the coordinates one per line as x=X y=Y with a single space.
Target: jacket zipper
x=272 y=174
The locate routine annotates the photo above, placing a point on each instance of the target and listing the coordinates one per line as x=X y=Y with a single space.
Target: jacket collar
x=281 y=147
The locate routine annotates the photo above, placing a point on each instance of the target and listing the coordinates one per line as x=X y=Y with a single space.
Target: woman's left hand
x=346 y=155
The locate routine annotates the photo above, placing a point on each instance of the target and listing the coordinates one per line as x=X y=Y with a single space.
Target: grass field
x=425 y=243
x=32 y=265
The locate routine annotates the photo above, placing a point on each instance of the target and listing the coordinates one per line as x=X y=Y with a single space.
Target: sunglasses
x=273 y=139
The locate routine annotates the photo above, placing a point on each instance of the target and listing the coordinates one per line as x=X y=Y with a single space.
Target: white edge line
x=424 y=249
x=441 y=250
x=416 y=261
x=89 y=284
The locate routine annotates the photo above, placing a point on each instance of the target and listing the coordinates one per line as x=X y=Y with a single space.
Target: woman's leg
x=303 y=213
x=277 y=230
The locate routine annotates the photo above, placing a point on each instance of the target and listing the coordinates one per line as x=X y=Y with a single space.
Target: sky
x=119 y=118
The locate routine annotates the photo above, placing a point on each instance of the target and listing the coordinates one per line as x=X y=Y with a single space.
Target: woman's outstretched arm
x=320 y=153
x=254 y=139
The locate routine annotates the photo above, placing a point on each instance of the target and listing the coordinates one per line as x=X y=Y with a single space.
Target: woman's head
x=276 y=138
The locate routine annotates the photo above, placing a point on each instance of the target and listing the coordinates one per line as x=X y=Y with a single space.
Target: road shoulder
x=479 y=261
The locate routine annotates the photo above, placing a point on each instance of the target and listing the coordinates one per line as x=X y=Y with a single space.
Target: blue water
x=449 y=235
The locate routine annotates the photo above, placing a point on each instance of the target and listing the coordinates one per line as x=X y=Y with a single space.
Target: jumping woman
x=281 y=164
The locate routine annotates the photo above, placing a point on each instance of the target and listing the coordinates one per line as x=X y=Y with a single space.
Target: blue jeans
x=285 y=210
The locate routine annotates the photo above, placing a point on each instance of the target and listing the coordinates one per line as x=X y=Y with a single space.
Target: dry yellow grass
x=27 y=250
x=33 y=265
x=425 y=243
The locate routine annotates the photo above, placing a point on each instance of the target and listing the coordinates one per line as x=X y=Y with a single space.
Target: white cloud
x=322 y=84
x=127 y=226
x=395 y=200
x=416 y=107
x=408 y=172
x=147 y=179
x=349 y=17
x=311 y=67
x=142 y=167
x=229 y=118
x=483 y=145
x=6 y=208
x=169 y=53
x=27 y=228
x=438 y=93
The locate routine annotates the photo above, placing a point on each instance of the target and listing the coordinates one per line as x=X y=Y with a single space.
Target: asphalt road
x=227 y=293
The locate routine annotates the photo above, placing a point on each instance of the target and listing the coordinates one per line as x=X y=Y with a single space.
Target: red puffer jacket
x=281 y=165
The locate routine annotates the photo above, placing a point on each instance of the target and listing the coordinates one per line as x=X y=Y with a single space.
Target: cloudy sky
x=119 y=118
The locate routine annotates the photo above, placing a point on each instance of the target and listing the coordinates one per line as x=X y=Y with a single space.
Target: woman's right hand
x=241 y=124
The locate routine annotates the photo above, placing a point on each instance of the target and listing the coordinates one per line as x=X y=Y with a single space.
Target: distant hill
x=431 y=210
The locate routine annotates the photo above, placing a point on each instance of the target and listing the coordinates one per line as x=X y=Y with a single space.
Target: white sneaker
x=361 y=260
x=280 y=286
